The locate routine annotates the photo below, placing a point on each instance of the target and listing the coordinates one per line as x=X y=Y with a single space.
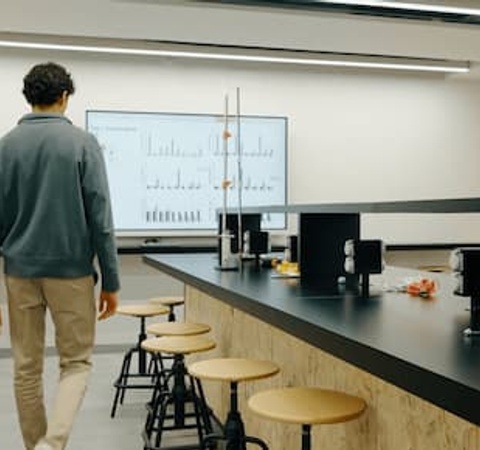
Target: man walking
x=55 y=218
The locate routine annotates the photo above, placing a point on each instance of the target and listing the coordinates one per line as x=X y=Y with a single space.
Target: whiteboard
x=165 y=169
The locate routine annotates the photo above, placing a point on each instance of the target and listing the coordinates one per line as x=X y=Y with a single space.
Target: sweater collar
x=43 y=117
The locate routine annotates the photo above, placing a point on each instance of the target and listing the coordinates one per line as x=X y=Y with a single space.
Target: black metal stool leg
x=202 y=417
x=158 y=394
x=234 y=429
x=306 y=437
x=256 y=441
x=209 y=441
x=157 y=411
x=183 y=390
x=142 y=354
x=204 y=409
x=155 y=365
x=161 y=420
x=122 y=382
x=179 y=391
x=171 y=314
x=126 y=374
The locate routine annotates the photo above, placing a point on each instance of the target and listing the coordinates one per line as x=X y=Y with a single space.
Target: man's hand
x=107 y=305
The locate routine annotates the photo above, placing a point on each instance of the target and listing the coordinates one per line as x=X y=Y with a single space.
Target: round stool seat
x=177 y=328
x=142 y=310
x=233 y=369
x=167 y=301
x=180 y=345
x=307 y=406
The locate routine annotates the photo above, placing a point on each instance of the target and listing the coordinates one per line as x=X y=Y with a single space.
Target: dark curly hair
x=46 y=83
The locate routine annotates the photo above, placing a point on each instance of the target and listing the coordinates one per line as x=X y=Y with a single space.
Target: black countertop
x=414 y=343
x=442 y=206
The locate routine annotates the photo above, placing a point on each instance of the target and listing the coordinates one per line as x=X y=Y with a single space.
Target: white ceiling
x=460 y=11
x=193 y=22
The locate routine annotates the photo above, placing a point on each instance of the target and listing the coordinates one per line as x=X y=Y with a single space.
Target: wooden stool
x=233 y=370
x=179 y=394
x=307 y=406
x=170 y=302
x=174 y=329
x=141 y=311
x=177 y=328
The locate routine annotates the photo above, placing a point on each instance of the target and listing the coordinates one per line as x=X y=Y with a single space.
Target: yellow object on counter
x=288 y=268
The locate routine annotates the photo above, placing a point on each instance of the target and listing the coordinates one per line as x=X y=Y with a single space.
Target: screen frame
x=196 y=232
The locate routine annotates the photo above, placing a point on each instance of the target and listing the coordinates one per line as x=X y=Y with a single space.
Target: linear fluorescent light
x=408 y=6
x=317 y=60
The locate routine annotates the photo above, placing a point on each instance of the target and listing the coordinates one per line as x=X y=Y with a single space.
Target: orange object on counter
x=425 y=287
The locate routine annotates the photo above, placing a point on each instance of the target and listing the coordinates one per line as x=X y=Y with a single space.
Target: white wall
x=353 y=136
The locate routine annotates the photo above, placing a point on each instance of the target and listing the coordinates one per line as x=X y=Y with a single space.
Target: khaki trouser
x=71 y=303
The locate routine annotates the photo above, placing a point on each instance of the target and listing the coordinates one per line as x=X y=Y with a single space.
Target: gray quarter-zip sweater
x=55 y=213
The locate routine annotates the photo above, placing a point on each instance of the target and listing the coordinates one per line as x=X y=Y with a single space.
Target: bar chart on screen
x=165 y=170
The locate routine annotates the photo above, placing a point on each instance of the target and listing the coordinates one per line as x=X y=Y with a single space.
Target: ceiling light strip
x=407 y=6
x=429 y=67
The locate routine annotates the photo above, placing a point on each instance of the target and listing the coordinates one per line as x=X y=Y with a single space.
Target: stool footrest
x=133 y=386
x=187 y=426
x=148 y=446
x=240 y=444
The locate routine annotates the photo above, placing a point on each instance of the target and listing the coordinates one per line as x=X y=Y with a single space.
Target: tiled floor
x=94 y=429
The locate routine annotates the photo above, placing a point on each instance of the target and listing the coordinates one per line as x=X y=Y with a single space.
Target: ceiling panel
x=453 y=11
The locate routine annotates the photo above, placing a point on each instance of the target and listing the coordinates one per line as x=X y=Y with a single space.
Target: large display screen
x=165 y=170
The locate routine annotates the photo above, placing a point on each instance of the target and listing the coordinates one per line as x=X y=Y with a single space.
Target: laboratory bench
x=407 y=356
